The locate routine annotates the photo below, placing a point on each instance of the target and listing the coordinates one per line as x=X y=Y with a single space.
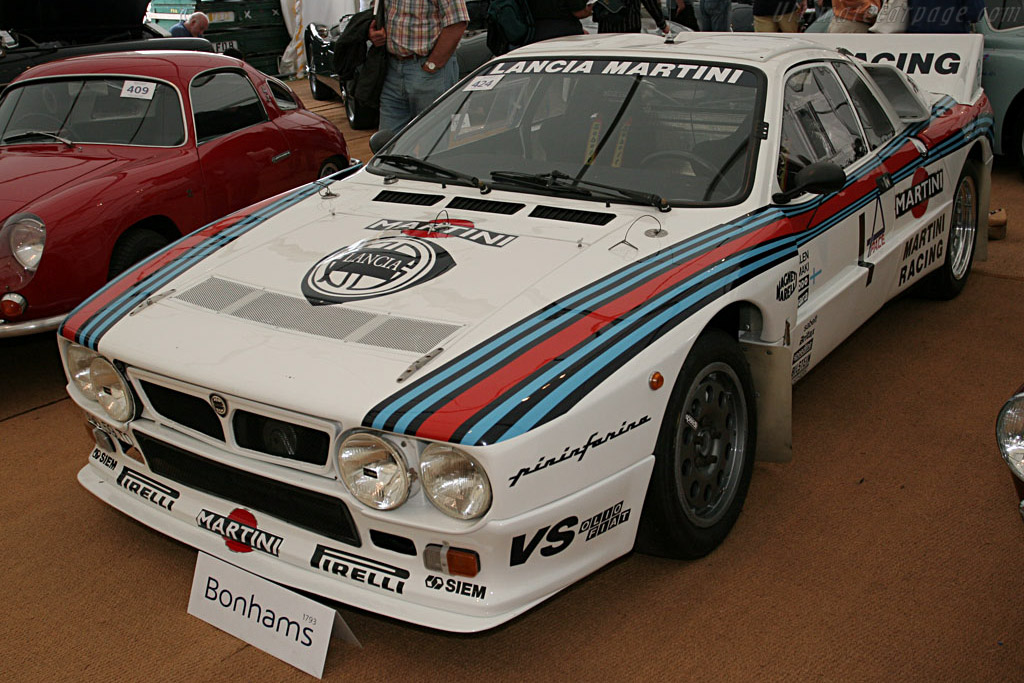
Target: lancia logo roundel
x=373 y=268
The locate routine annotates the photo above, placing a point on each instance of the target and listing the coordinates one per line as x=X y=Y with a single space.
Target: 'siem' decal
x=373 y=268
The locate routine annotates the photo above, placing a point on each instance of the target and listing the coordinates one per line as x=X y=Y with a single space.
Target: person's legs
x=394 y=102
x=423 y=88
x=789 y=23
x=716 y=15
x=765 y=25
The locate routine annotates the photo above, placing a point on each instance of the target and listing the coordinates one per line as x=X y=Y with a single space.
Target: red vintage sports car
x=105 y=159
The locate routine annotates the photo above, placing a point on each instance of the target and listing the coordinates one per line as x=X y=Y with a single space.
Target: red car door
x=243 y=155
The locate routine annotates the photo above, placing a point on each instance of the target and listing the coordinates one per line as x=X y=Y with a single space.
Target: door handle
x=281 y=157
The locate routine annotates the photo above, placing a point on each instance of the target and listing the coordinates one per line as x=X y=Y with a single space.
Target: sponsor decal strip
x=97 y=314
x=534 y=371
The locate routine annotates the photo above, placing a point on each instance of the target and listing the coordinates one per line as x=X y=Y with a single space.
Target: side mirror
x=820 y=177
x=380 y=138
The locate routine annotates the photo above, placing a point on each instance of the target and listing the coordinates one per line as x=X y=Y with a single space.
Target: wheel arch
x=161 y=225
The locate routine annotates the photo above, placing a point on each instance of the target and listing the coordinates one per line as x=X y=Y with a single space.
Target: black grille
x=185 y=409
x=310 y=510
x=484 y=205
x=281 y=439
x=408 y=198
x=571 y=215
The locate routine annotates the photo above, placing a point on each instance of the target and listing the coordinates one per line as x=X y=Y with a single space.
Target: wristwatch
x=431 y=67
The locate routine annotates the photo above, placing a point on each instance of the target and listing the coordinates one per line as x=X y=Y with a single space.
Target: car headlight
x=112 y=392
x=454 y=482
x=374 y=471
x=26 y=235
x=79 y=361
x=100 y=381
x=1010 y=434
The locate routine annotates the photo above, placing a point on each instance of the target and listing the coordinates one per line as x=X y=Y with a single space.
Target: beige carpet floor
x=889 y=548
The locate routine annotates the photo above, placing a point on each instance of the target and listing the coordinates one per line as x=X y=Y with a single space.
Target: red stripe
x=443 y=422
x=131 y=278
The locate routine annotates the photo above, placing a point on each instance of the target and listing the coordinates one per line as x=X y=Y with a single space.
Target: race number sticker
x=483 y=83
x=141 y=90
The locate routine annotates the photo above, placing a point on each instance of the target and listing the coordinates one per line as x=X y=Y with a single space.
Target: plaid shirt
x=414 y=25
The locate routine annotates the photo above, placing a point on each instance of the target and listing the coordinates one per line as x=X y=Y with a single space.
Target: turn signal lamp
x=451 y=561
x=12 y=305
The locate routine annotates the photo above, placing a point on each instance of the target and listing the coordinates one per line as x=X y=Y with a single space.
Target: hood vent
x=484 y=205
x=553 y=213
x=333 y=321
x=408 y=198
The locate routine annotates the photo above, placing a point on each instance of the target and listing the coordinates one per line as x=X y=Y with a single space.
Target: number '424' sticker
x=142 y=90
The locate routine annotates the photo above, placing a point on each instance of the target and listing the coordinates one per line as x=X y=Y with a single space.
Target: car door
x=836 y=288
x=243 y=155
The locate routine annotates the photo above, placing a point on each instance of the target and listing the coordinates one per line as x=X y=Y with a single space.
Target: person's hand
x=584 y=13
x=378 y=36
x=665 y=30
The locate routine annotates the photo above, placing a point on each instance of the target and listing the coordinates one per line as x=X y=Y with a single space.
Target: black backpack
x=509 y=25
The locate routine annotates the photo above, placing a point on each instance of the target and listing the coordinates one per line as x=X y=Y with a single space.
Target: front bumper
x=8 y=329
x=523 y=560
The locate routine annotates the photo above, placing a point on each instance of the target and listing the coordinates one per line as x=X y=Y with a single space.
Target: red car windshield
x=115 y=111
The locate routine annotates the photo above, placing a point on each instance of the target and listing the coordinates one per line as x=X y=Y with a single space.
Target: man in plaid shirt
x=421 y=37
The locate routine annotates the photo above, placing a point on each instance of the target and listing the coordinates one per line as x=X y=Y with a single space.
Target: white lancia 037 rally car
x=555 y=318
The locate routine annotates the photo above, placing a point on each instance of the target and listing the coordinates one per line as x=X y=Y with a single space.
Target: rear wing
x=941 y=63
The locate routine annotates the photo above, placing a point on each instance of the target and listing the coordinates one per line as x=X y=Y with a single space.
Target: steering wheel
x=669 y=154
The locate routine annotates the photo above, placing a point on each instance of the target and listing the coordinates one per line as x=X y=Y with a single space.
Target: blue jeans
x=715 y=15
x=408 y=89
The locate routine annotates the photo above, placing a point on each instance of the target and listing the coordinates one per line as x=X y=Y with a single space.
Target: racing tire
x=950 y=278
x=132 y=247
x=360 y=117
x=331 y=165
x=705 y=453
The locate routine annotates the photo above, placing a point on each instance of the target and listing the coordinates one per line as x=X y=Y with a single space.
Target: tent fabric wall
x=297 y=14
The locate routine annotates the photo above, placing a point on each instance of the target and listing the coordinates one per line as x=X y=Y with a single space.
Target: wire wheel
x=963 y=227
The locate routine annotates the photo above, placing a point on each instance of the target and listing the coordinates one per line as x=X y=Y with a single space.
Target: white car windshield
x=683 y=131
x=92 y=110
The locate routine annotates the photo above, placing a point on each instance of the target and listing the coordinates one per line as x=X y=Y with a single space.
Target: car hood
x=26 y=173
x=418 y=292
x=73 y=20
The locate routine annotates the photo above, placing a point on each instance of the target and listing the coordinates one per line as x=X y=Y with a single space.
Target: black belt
x=407 y=58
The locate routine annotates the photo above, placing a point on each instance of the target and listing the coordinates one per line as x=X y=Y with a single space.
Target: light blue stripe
x=109 y=315
x=546 y=405
x=482 y=359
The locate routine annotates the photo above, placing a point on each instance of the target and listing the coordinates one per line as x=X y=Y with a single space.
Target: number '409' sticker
x=142 y=90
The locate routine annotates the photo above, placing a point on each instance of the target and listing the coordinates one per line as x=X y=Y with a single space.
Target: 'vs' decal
x=558 y=536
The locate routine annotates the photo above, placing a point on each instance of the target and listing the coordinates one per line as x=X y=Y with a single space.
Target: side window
x=1005 y=14
x=877 y=126
x=223 y=102
x=282 y=96
x=818 y=124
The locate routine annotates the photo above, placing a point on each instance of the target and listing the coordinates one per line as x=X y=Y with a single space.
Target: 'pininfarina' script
x=578 y=452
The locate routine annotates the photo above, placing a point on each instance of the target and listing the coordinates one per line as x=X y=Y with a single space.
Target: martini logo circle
x=374 y=268
x=923 y=187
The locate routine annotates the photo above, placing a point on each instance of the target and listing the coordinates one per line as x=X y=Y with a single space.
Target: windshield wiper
x=411 y=163
x=558 y=180
x=37 y=133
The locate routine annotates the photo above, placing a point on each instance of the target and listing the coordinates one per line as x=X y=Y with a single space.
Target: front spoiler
x=507 y=595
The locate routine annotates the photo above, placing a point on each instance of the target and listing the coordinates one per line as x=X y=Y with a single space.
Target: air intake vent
x=485 y=205
x=571 y=215
x=335 y=322
x=408 y=198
